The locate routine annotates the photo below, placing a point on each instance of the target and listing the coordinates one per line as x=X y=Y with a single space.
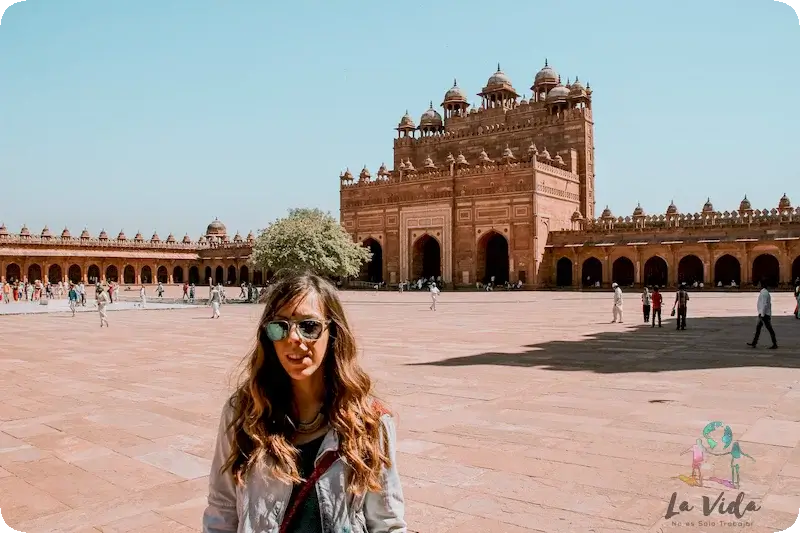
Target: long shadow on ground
x=707 y=343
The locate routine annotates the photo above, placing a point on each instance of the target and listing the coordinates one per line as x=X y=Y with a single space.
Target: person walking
x=434 y=294
x=657 y=299
x=215 y=299
x=681 y=300
x=102 y=300
x=646 y=301
x=617 y=311
x=764 y=306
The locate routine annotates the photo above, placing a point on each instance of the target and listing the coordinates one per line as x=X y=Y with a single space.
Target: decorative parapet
x=31 y=240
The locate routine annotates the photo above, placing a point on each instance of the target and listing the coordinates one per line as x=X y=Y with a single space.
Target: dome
x=24 y=232
x=65 y=234
x=784 y=203
x=121 y=236
x=430 y=118
x=251 y=237
x=547 y=75
x=171 y=238
x=155 y=237
x=364 y=175
x=216 y=228
x=455 y=94
x=202 y=238
x=406 y=122
x=577 y=88
x=3 y=230
x=187 y=239
x=638 y=212
x=606 y=213
x=745 y=204
x=46 y=233
x=237 y=237
x=708 y=207
x=85 y=234
x=103 y=235
x=498 y=78
x=559 y=93
x=138 y=237
x=672 y=209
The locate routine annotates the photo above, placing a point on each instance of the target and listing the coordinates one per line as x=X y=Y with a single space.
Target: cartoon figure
x=729 y=447
x=698 y=456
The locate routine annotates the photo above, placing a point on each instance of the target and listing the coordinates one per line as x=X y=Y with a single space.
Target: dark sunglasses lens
x=277 y=330
x=310 y=329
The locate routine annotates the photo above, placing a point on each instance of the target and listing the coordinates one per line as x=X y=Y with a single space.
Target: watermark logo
x=715 y=441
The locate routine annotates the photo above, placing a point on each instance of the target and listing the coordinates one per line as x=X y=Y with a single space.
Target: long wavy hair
x=263 y=402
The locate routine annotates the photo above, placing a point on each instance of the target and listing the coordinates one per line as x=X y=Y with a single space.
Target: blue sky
x=161 y=115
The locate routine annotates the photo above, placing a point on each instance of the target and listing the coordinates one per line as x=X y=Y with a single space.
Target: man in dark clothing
x=681 y=299
x=656 y=300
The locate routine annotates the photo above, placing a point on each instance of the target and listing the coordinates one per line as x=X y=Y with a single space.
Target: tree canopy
x=308 y=239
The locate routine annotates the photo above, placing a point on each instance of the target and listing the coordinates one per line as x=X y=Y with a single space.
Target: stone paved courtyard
x=517 y=412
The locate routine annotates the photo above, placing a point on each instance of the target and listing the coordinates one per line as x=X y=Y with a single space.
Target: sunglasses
x=309 y=329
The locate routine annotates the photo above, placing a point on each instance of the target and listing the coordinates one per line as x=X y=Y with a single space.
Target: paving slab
x=517 y=411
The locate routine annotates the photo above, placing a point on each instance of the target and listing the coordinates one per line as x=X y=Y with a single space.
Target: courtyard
x=517 y=411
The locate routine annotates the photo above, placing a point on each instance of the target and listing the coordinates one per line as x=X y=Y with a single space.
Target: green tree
x=308 y=239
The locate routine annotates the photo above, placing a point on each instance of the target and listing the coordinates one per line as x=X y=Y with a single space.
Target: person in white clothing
x=142 y=297
x=103 y=300
x=617 y=311
x=434 y=294
x=215 y=299
x=764 y=306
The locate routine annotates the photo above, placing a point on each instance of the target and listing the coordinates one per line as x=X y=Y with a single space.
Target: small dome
x=559 y=93
x=547 y=75
x=406 y=122
x=364 y=174
x=171 y=238
x=3 y=230
x=138 y=237
x=155 y=237
x=24 y=232
x=216 y=228
x=784 y=203
x=346 y=175
x=638 y=212
x=85 y=234
x=745 y=204
x=121 y=236
x=428 y=163
x=455 y=95
x=577 y=215
x=202 y=239
x=46 y=233
x=672 y=209
x=577 y=89
x=65 y=234
x=237 y=237
x=708 y=207
x=251 y=237
x=606 y=213
x=498 y=78
x=430 y=118
x=103 y=235
x=187 y=239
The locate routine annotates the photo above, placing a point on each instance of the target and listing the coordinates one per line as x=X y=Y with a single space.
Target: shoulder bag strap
x=322 y=466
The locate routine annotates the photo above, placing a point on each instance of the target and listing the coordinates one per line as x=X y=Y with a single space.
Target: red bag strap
x=322 y=466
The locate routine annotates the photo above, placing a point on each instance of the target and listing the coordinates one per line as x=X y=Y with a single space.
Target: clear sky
x=161 y=115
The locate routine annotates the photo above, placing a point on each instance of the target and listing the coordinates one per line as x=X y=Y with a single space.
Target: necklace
x=313 y=426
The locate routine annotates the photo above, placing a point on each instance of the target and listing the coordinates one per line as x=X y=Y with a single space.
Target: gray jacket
x=259 y=505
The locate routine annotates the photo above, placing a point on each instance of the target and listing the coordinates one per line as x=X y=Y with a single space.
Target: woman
x=303 y=446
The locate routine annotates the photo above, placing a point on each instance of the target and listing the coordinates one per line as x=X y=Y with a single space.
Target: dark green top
x=307 y=519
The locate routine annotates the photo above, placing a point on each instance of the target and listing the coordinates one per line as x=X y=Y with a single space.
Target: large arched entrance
x=34 y=273
x=75 y=274
x=426 y=259
x=244 y=274
x=372 y=270
x=656 y=272
x=194 y=275
x=591 y=272
x=54 y=274
x=564 y=272
x=258 y=278
x=622 y=272
x=112 y=274
x=232 y=275
x=129 y=275
x=690 y=270
x=147 y=274
x=162 y=274
x=13 y=273
x=727 y=270
x=207 y=277
x=219 y=274
x=796 y=269
x=766 y=269
x=93 y=274
x=492 y=258
x=177 y=274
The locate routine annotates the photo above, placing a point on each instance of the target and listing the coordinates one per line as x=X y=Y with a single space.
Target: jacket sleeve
x=221 y=514
x=385 y=511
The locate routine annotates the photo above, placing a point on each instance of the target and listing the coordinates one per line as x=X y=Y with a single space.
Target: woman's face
x=302 y=349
